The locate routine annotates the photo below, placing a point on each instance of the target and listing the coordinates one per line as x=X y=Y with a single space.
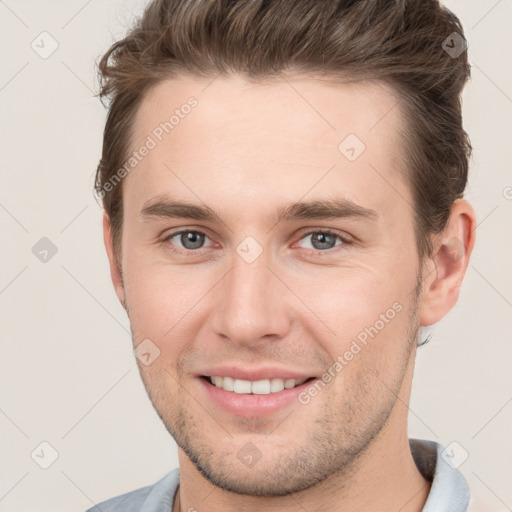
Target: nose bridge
x=250 y=303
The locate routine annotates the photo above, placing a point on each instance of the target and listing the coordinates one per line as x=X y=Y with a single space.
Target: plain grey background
x=67 y=374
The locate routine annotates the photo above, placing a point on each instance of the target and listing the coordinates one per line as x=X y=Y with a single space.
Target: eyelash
x=345 y=242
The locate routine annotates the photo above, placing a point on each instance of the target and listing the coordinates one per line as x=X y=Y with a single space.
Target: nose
x=251 y=304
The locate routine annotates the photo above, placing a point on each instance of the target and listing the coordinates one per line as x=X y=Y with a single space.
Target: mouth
x=257 y=387
x=253 y=399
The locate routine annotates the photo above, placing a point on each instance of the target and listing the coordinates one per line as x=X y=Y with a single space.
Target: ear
x=115 y=269
x=445 y=270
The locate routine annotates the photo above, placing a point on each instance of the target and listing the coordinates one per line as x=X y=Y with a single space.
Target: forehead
x=277 y=139
x=311 y=110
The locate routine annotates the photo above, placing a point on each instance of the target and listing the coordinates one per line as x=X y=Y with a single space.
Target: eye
x=324 y=240
x=189 y=240
x=192 y=241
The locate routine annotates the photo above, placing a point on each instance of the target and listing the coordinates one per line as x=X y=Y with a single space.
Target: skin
x=244 y=151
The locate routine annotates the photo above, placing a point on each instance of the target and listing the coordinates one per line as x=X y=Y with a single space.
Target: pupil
x=192 y=240
x=322 y=239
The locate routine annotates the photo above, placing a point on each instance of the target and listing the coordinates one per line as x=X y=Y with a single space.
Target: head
x=282 y=185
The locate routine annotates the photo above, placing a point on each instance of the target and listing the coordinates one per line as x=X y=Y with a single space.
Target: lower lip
x=253 y=406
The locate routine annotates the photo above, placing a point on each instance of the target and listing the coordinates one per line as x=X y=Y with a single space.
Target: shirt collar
x=450 y=491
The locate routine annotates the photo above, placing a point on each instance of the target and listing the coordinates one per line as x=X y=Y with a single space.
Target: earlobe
x=115 y=269
x=448 y=264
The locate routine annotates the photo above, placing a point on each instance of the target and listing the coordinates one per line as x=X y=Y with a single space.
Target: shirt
x=449 y=491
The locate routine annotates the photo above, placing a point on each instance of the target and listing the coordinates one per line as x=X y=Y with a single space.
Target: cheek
x=161 y=296
x=351 y=308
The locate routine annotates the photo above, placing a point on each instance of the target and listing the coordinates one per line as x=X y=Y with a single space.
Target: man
x=282 y=184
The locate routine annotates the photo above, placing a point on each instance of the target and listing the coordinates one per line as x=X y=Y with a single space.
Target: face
x=226 y=275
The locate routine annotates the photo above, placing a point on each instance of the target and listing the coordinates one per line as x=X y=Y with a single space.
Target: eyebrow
x=165 y=207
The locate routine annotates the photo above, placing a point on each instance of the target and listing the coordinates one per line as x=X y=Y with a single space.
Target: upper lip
x=253 y=374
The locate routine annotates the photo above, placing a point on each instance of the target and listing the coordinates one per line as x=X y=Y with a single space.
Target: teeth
x=276 y=385
x=258 y=387
x=239 y=386
x=227 y=383
x=289 y=383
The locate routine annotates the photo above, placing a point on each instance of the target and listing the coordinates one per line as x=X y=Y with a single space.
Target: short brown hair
x=400 y=42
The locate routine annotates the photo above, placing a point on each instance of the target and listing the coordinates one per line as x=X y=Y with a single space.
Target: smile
x=252 y=398
x=258 y=387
